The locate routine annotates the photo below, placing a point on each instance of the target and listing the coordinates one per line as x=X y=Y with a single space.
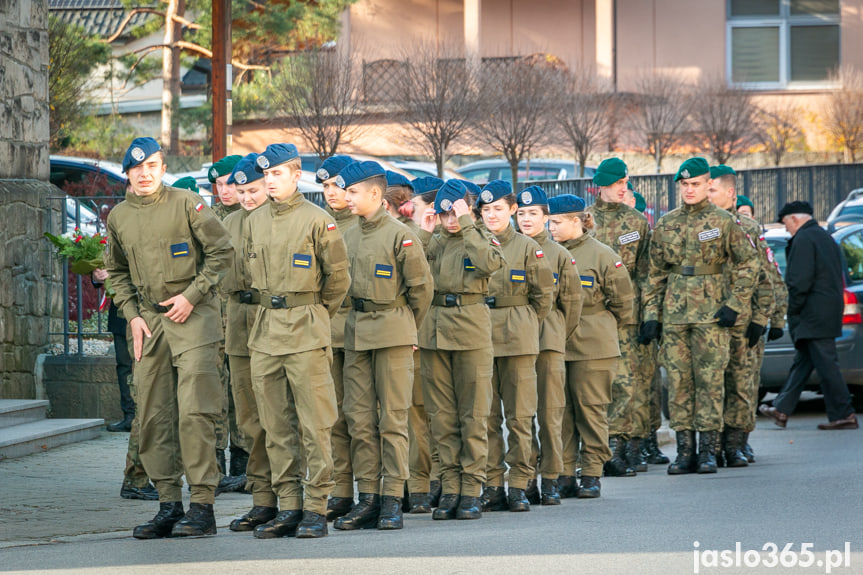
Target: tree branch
x=128 y=19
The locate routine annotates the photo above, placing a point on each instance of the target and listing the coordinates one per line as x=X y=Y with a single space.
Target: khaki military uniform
x=689 y=251
x=134 y=474
x=343 y=473
x=241 y=307
x=556 y=329
x=391 y=290
x=592 y=352
x=298 y=263
x=456 y=351
x=625 y=230
x=162 y=245
x=523 y=291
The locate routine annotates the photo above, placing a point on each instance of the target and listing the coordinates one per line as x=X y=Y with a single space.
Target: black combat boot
x=532 y=492
x=284 y=524
x=257 y=515
x=239 y=460
x=550 y=496
x=231 y=484
x=435 y=489
x=590 y=488
x=634 y=457
x=517 y=500
x=707 y=451
x=469 y=508
x=419 y=503
x=199 y=520
x=313 y=526
x=339 y=507
x=160 y=525
x=147 y=493
x=655 y=455
x=685 y=462
x=616 y=466
x=494 y=499
x=567 y=486
x=747 y=449
x=447 y=507
x=734 y=441
x=719 y=452
x=124 y=425
x=390 y=516
x=364 y=515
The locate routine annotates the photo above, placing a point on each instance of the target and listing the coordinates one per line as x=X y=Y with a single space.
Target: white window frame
x=784 y=22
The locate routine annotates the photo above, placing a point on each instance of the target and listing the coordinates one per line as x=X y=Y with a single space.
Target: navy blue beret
x=493 y=191
x=274 y=155
x=471 y=188
x=244 y=171
x=565 y=204
x=331 y=167
x=448 y=194
x=139 y=150
x=532 y=196
x=357 y=172
x=426 y=184
x=396 y=179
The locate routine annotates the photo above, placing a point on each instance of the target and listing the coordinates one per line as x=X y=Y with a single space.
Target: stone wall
x=24 y=89
x=82 y=386
x=30 y=282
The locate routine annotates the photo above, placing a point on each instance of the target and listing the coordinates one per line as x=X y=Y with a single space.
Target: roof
x=96 y=17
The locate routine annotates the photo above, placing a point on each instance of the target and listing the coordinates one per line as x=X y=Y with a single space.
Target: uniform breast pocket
x=711 y=243
x=302 y=267
x=178 y=259
x=134 y=271
x=385 y=281
x=673 y=246
x=256 y=260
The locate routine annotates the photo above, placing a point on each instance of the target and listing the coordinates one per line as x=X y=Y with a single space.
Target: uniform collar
x=292 y=202
x=232 y=208
x=374 y=220
x=696 y=207
x=506 y=235
x=570 y=244
x=137 y=200
x=542 y=237
x=340 y=215
x=604 y=206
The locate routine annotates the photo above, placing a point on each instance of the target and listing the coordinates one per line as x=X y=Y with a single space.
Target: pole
x=221 y=78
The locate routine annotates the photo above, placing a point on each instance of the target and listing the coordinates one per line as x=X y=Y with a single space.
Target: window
x=782 y=43
x=852 y=247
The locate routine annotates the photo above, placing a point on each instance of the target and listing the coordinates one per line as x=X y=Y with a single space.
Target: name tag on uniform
x=383 y=271
x=555 y=278
x=586 y=281
x=708 y=235
x=180 y=250
x=629 y=238
x=517 y=276
x=302 y=261
x=468 y=265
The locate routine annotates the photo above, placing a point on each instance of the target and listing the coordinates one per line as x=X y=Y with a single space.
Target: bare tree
x=515 y=101
x=585 y=114
x=661 y=107
x=438 y=98
x=778 y=129
x=723 y=118
x=843 y=116
x=317 y=92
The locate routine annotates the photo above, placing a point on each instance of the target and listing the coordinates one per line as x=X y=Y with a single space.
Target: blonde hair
x=586 y=219
x=294 y=165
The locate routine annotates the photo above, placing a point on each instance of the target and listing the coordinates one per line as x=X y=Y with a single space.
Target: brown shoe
x=849 y=422
x=777 y=416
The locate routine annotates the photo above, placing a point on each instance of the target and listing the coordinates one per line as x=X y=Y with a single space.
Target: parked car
x=848 y=211
x=422 y=169
x=484 y=171
x=779 y=354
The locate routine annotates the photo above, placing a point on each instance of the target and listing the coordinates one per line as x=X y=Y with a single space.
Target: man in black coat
x=815 y=304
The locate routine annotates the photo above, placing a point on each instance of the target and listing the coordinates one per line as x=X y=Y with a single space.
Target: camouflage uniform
x=777 y=320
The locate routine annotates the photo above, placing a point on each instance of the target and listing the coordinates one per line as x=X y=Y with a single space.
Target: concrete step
x=38 y=436
x=20 y=411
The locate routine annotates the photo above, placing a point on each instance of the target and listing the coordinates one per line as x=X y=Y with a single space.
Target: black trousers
x=124 y=370
x=820 y=355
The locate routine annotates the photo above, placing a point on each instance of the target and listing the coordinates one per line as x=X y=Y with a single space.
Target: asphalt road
x=805 y=488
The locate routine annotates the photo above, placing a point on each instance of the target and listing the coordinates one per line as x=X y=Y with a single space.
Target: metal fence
x=823 y=186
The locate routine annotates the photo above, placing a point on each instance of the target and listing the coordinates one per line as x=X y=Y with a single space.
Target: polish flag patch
x=407 y=243
x=539 y=254
x=618 y=264
x=573 y=261
x=331 y=227
x=199 y=207
x=495 y=242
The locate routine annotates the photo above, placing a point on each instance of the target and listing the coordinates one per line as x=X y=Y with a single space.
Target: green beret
x=629 y=186
x=640 y=204
x=610 y=171
x=692 y=168
x=721 y=170
x=187 y=183
x=744 y=201
x=223 y=167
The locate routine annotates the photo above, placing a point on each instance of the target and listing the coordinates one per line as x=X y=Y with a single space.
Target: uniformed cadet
x=688 y=292
x=342 y=497
x=456 y=348
x=422 y=456
x=168 y=251
x=520 y=296
x=739 y=404
x=592 y=352
x=425 y=190
x=777 y=318
x=298 y=263
x=241 y=307
x=556 y=329
x=625 y=231
x=233 y=477
x=391 y=290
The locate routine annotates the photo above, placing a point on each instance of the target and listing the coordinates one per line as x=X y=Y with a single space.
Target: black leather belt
x=249 y=297
x=290 y=300
x=367 y=305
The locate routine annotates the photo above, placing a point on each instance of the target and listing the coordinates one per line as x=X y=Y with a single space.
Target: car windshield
x=777 y=245
x=853 y=210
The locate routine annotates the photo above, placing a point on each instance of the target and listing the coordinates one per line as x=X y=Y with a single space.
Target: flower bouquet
x=85 y=253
